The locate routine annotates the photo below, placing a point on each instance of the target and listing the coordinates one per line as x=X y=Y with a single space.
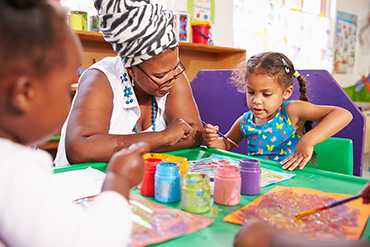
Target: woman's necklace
x=154 y=115
x=128 y=94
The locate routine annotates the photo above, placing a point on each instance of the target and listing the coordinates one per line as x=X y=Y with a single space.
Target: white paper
x=80 y=183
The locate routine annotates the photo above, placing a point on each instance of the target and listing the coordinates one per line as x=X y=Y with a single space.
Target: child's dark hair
x=32 y=37
x=273 y=64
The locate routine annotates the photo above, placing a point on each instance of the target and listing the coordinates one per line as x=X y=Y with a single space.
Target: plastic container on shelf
x=201 y=32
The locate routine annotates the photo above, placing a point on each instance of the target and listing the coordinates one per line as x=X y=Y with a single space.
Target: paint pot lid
x=249 y=163
x=151 y=163
x=196 y=180
x=167 y=168
x=228 y=171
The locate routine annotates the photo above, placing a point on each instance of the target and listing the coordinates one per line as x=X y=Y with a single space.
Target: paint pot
x=167 y=182
x=250 y=172
x=147 y=186
x=195 y=195
x=227 y=185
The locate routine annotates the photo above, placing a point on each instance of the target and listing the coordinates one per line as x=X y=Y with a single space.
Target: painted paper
x=155 y=223
x=279 y=206
x=345 y=43
x=202 y=10
x=209 y=165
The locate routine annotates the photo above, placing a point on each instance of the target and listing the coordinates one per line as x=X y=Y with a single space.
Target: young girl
x=275 y=128
x=38 y=63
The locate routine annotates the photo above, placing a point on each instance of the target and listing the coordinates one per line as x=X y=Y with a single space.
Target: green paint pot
x=195 y=196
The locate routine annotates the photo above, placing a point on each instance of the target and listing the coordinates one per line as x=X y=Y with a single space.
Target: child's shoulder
x=13 y=153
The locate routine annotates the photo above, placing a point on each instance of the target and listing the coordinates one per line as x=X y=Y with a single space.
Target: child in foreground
x=257 y=233
x=276 y=128
x=39 y=59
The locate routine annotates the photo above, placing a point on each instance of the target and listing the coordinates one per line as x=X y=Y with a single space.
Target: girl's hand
x=301 y=156
x=128 y=163
x=365 y=193
x=210 y=134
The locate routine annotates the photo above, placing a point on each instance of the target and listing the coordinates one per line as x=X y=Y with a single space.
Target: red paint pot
x=147 y=186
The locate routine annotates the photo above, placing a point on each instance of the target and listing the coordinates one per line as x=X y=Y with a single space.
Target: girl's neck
x=265 y=120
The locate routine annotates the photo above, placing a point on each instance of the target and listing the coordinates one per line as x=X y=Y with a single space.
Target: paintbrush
x=222 y=135
x=316 y=210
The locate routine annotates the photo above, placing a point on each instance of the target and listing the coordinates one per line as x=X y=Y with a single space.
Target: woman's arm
x=87 y=138
x=181 y=104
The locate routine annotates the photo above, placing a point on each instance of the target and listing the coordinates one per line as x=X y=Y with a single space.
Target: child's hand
x=128 y=163
x=210 y=134
x=365 y=193
x=301 y=156
x=255 y=233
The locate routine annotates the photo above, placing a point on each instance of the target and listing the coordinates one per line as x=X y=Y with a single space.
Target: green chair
x=335 y=155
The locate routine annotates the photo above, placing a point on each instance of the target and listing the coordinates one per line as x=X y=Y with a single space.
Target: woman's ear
x=288 y=92
x=22 y=94
x=130 y=71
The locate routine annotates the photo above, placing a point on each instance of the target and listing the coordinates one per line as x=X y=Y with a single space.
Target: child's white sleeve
x=35 y=212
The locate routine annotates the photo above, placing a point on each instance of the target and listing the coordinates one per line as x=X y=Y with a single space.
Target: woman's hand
x=178 y=130
x=301 y=156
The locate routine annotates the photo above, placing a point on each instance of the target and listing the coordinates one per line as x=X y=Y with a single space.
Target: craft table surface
x=221 y=233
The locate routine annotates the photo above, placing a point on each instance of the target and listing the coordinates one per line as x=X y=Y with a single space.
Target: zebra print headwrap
x=137 y=29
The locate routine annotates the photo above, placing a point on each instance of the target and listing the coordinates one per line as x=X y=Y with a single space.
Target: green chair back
x=335 y=155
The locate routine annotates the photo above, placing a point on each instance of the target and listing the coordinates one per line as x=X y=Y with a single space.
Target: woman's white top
x=124 y=115
x=35 y=211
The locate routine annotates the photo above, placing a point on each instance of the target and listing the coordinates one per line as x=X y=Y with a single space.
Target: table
x=221 y=233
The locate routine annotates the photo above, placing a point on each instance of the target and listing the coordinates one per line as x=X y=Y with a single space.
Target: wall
x=361 y=8
x=222 y=29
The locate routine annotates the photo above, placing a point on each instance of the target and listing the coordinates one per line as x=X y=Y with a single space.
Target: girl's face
x=54 y=94
x=154 y=76
x=265 y=96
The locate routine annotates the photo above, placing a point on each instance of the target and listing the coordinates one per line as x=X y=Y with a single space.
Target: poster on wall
x=345 y=43
x=202 y=10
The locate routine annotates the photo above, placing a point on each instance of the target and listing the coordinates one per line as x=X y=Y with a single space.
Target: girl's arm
x=331 y=120
x=214 y=140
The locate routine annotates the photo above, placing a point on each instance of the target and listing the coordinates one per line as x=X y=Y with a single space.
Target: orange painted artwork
x=281 y=205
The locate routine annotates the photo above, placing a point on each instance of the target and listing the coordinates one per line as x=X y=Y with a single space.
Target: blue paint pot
x=167 y=182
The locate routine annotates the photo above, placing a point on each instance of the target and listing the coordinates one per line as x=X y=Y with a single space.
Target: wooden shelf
x=194 y=56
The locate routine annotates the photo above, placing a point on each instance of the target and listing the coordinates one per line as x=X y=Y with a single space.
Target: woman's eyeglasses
x=180 y=66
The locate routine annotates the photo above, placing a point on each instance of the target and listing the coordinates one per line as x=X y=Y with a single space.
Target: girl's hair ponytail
x=303 y=97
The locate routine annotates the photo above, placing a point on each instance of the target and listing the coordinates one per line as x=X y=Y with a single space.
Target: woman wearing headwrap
x=142 y=94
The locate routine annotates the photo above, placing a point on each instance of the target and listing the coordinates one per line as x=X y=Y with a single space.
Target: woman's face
x=158 y=75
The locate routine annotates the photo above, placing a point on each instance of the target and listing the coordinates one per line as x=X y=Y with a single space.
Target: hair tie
x=287 y=70
x=296 y=74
